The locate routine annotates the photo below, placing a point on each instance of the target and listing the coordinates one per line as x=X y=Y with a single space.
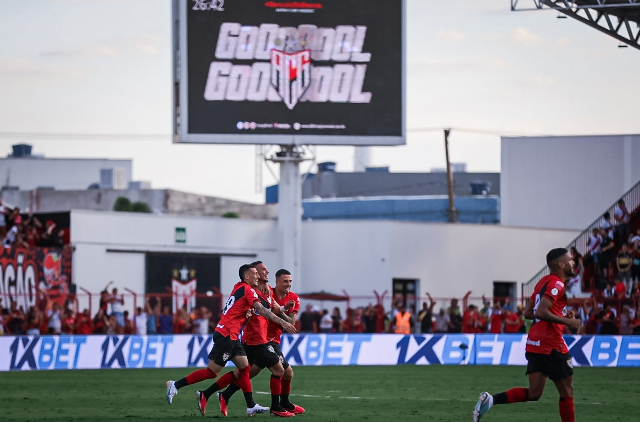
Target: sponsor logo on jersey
x=554 y=291
x=271 y=349
x=533 y=343
x=226 y=356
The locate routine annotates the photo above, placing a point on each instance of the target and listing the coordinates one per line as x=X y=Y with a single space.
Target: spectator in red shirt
x=512 y=322
x=470 y=320
x=497 y=317
x=620 y=289
x=84 y=324
x=68 y=322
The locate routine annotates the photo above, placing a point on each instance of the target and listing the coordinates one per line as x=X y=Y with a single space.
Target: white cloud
x=563 y=42
x=145 y=44
x=488 y=63
x=20 y=72
x=89 y=51
x=544 y=82
x=525 y=37
x=451 y=35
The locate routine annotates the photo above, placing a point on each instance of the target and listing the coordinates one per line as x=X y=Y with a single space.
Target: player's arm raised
x=543 y=314
x=261 y=310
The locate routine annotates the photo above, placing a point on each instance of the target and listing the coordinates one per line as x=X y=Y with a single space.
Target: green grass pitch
x=403 y=393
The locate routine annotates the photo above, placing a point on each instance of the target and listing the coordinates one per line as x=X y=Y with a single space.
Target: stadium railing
x=632 y=202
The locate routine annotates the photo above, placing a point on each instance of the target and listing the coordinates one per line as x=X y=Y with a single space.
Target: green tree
x=230 y=214
x=122 y=204
x=140 y=206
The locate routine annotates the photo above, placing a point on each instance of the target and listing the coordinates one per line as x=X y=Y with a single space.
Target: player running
x=227 y=347
x=267 y=353
x=546 y=352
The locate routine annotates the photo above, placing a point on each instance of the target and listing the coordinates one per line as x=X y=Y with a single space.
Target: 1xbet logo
x=215 y=5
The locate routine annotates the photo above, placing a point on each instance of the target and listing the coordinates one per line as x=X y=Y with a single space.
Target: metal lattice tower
x=619 y=19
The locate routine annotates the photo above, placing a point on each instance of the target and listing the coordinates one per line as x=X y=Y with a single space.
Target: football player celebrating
x=227 y=347
x=546 y=352
x=266 y=351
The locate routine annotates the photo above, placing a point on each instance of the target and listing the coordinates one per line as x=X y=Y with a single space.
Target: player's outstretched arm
x=261 y=310
x=543 y=314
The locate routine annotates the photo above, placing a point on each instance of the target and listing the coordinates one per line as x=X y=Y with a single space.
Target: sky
x=103 y=68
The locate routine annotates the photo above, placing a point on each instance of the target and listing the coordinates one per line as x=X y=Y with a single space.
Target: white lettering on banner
x=179 y=351
x=289 y=76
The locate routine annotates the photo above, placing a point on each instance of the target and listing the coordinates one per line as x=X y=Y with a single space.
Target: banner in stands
x=27 y=273
x=177 y=351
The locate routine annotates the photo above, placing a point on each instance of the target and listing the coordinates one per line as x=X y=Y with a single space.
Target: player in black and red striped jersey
x=264 y=354
x=227 y=347
x=546 y=352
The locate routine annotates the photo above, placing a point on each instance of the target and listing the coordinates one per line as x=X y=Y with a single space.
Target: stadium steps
x=632 y=201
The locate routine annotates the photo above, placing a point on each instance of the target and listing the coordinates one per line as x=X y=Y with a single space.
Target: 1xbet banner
x=178 y=351
x=322 y=68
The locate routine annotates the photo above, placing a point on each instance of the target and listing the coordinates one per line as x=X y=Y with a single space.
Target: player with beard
x=268 y=352
x=546 y=352
x=227 y=347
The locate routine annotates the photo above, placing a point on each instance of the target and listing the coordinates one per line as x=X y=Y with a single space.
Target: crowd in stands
x=25 y=230
x=110 y=318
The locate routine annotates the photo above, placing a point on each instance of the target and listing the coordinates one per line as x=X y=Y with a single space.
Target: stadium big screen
x=289 y=72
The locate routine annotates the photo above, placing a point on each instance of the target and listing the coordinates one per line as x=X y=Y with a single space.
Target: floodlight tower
x=619 y=19
x=290 y=207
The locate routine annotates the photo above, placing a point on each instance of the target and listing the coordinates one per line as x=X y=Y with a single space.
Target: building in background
x=565 y=182
x=378 y=194
x=23 y=170
x=160 y=201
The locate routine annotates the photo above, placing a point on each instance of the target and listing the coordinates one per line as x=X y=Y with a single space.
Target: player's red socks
x=567 y=409
x=225 y=380
x=515 y=395
x=275 y=384
x=244 y=382
x=286 y=386
x=195 y=377
x=245 y=385
x=276 y=388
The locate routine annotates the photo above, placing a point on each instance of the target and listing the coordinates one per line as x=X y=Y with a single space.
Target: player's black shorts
x=557 y=366
x=225 y=349
x=276 y=347
x=262 y=355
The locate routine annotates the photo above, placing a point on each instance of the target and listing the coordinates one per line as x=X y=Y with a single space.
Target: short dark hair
x=607 y=215
x=243 y=270
x=255 y=263
x=282 y=271
x=554 y=254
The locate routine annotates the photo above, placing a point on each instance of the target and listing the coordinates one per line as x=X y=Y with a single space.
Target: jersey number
x=228 y=305
x=535 y=307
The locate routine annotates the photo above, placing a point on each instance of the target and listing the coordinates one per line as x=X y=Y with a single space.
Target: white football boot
x=171 y=391
x=485 y=402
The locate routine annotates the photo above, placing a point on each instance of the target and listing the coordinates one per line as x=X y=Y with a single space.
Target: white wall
x=565 y=181
x=93 y=233
x=60 y=173
x=357 y=256
x=448 y=259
